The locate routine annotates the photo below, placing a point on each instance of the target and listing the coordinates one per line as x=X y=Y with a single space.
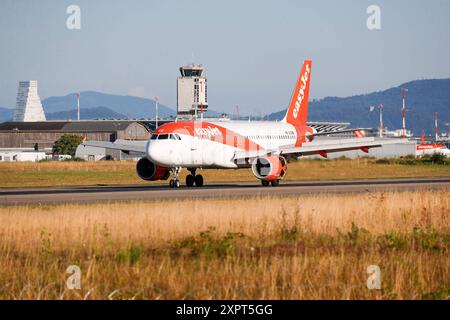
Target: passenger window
x=163 y=137
x=154 y=136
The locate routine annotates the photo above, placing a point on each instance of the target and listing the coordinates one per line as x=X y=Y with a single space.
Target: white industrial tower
x=78 y=105
x=192 y=96
x=404 y=91
x=28 y=104
x=380 y=107
x=436 y=130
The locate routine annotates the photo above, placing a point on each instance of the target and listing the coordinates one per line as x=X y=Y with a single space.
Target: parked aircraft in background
x=430 y=148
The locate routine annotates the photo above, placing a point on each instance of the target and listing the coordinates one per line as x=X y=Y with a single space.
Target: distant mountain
x=211 y=113
x=6 y=114
x=96 y=105
x=85 y=114
x=128 y=106
x=424 y=98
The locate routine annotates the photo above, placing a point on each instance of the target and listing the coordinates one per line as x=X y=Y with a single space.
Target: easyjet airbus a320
x=263 y=146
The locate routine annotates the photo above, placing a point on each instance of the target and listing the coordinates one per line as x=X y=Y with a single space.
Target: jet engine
x=269 y=168
x=149 y=171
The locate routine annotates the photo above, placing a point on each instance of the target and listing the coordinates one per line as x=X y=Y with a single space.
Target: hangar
x=41 y=135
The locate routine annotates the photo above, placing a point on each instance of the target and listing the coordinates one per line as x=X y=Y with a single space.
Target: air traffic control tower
x=191 y=91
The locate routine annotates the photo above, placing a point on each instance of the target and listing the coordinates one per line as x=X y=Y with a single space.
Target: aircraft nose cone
x=149 y=150
x=154 y=152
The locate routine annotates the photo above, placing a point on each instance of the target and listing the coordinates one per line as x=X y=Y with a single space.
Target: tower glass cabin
x=192 y=94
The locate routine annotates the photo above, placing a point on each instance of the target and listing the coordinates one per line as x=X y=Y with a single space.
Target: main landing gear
x=274 y=183
x=193 y=178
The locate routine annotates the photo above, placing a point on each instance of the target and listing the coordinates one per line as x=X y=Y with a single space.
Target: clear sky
x=252 y=50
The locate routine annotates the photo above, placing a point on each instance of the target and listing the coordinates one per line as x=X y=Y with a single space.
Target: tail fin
x=297 y=112
x=422 y=137
x=359 y=133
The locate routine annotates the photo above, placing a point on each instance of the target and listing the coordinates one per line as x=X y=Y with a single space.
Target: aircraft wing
x=324 y=147
x=124 y=145
x=321 y=147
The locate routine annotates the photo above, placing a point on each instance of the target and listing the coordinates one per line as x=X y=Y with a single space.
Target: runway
x=85 y=194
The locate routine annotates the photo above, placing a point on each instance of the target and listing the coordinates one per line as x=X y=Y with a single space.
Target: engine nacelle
x=269 y=168
x=149 y=171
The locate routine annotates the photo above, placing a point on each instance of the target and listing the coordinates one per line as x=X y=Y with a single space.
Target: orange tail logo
x=359 y=133
x=297 y=112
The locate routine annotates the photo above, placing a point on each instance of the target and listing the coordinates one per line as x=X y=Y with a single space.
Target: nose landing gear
x=175 y=182
x=193 y=178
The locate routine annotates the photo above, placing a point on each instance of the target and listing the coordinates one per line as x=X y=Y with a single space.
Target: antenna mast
x=78 y=106
x=404 y=91
x=436 y=135
x=381 y=120
x=156 y=98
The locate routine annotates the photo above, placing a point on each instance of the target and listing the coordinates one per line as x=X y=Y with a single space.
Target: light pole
x=78 y=106
x=381 y=120
x=436 y=132
x=404 y=91
x=156 y=111
x=380 y=107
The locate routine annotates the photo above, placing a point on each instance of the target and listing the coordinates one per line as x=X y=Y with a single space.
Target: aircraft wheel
x=171 y=183
x=264 y=183
x=190 y=180
x=176 y=183
x=199 y=180
x=275 y=183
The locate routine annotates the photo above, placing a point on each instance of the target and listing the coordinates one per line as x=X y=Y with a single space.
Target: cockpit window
x=174 y=136
x=171 y=136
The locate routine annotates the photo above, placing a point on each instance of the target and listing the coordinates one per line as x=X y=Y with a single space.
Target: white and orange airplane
x=263 y=146
x=430 y=148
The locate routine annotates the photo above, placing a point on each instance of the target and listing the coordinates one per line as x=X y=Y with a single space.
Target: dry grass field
x=28 y=174
x=308 y=247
